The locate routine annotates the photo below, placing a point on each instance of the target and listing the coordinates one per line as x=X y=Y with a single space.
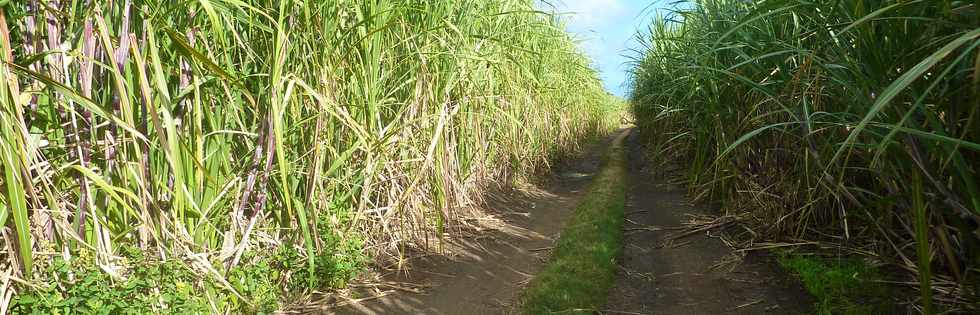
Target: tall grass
x=851 y=121
x=210 y=132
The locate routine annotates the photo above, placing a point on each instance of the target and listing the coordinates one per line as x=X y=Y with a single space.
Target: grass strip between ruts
x=583 y=266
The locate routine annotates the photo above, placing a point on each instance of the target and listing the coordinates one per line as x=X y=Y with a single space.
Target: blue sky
x=606 y=29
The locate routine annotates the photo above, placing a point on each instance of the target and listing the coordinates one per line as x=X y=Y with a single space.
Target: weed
x=78 y=287
x=151 y=286
x=841 y=286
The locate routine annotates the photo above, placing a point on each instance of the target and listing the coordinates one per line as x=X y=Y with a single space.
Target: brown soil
x=698 y=274
x=485 y=271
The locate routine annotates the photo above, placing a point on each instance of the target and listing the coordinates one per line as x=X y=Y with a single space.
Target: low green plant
x=148 y=285
x=79 y=287
x=841 y=286
x=333 y=269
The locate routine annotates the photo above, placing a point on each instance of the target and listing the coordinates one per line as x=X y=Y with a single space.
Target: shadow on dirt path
x=695 y=275
x=485 y=272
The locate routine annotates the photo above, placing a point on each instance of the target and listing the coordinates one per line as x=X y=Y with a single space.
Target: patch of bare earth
x=667 y=268
x=485 y=270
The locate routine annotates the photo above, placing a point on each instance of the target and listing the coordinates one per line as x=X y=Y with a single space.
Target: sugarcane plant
x=212 y=133
x=853 y=122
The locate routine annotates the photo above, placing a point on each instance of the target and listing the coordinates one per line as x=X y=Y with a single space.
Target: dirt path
x=488 y=270
x=690 y=277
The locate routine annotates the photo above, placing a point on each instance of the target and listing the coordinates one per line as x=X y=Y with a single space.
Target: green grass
x=583 y=266
x=840 y=286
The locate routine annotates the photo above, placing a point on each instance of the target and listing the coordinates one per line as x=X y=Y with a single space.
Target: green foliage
x=149 y=285
x=79 y=287
x=583 y=267
x=841 y=286
x=265 y=134
x=170 y=287
x=332 y=270
x=817 y=115
x=258 y=281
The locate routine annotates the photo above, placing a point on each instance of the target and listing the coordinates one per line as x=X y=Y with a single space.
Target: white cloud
x=591 y=14
x=603 y=28
x=591 y=21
